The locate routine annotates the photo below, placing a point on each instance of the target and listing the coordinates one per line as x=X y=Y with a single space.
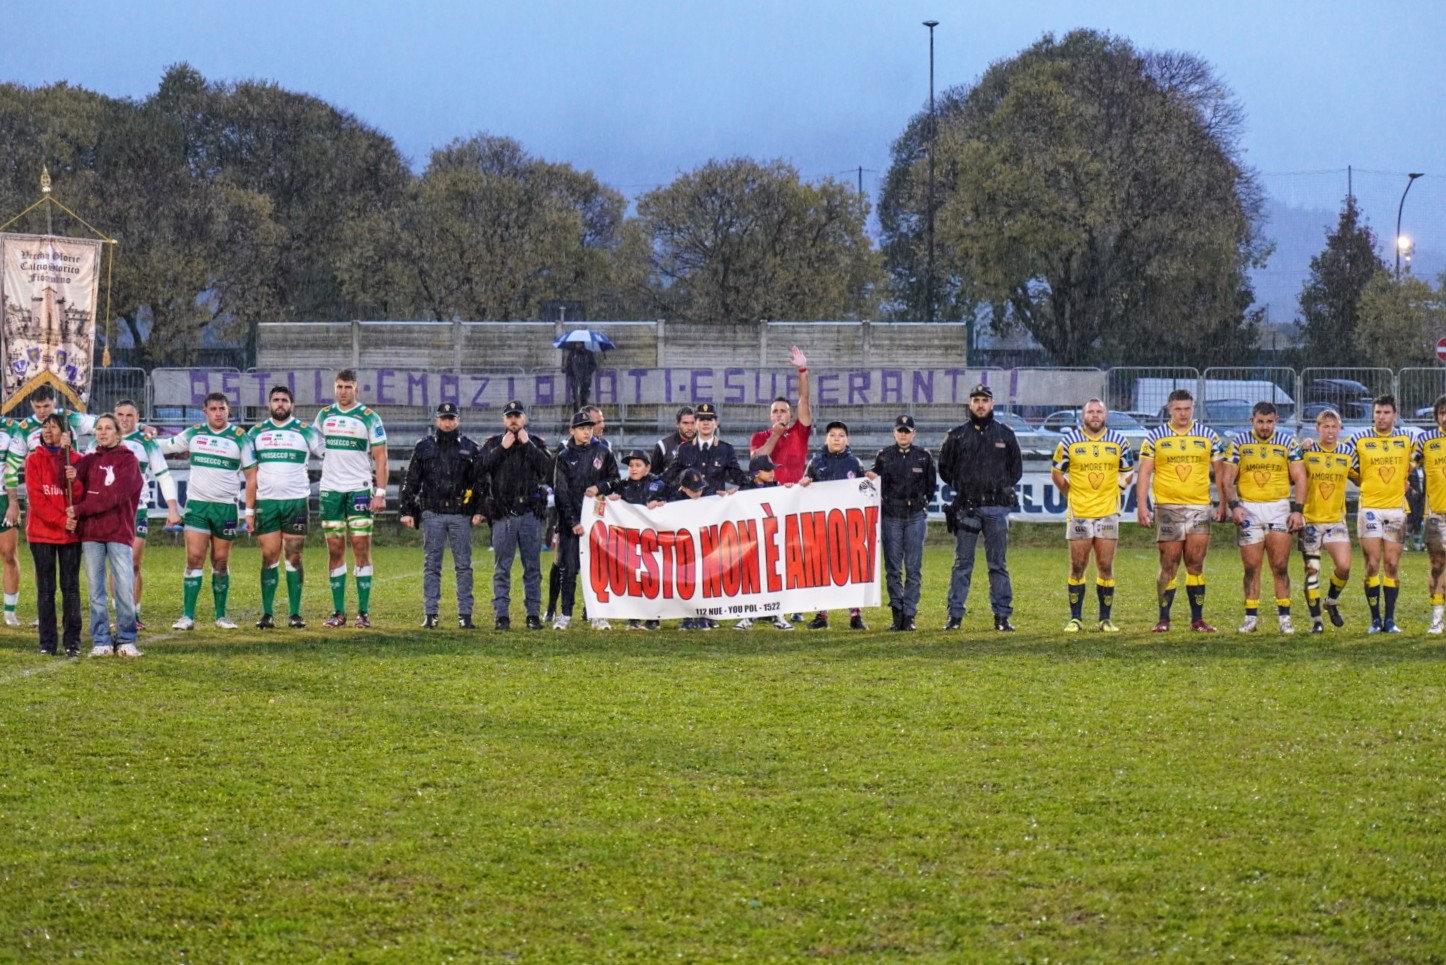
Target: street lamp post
x=1410 y=180
x=929 y=279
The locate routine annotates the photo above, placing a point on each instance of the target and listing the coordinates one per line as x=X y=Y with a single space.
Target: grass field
x=405 y=795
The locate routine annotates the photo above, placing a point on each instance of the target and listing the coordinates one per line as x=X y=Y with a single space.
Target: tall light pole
x=1401 y=242
x=933 y=124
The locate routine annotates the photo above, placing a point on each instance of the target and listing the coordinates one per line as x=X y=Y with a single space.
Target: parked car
x=1228 y=417
x=1335 y=392
x=1032 y=439
x=1131 y=428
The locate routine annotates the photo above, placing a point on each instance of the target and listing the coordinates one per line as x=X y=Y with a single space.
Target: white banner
x=758 y=553
x=49 y=287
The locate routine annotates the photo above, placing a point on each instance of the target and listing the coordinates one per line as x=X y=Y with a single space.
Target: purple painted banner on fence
x=679 y=385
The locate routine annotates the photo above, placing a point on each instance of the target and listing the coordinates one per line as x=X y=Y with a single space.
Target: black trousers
x=62 y=559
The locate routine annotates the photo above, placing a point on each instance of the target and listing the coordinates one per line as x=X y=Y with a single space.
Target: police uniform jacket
x=575 y=469
x=639 y=492
x=442 y=476
x=718 y=463
x=908 y=478
x=513 y=475
x=981 y=461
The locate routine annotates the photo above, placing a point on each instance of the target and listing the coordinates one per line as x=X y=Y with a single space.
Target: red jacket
x=45 y=488
x=112 y=489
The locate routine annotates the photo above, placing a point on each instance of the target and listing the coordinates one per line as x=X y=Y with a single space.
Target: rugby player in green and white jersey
x=353 y=436
x=220 y=456
x=42 y=403
x=9 y=521
x=282 y=444
x=147 y=451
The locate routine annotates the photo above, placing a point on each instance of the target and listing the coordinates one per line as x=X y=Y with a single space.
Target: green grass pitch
x=419 y=796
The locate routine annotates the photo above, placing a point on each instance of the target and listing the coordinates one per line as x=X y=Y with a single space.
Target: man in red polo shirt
x=785 y=441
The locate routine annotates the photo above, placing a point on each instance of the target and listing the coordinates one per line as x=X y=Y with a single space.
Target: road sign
x=1441 y=349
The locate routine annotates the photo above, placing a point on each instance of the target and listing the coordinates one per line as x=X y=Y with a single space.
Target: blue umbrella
x=587 y=338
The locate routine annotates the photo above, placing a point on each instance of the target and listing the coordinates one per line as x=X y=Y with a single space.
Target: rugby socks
x=1392 y=588
x=190 y=592
x=1105 y=593
x=363 y=576
x=1252 y=608
x=11 y=601
x=293 y=589
x=1373 y=596
x=1076 y=599
x=338 y=589
x=1312 y=585
x=1167 y=599
x=220 y=589
x=270 y=579
x=1438 y=607
x=1282 y=606
x=1338 y=584
x=1195 y=593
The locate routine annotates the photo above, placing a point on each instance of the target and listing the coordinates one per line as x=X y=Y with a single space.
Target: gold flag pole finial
x=44 y=179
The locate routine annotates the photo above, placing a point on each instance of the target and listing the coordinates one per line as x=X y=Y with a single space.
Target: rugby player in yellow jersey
x=1260 y=471
x=1327 y=469
x=1175 y=463
x=1092 y=464
x=1383 y=463
x=1430 y=455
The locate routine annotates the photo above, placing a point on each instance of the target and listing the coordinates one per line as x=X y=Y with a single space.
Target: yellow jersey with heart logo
x=1327 y=471
x=1382 y=465
x=1182 y=463
x=1263 y=465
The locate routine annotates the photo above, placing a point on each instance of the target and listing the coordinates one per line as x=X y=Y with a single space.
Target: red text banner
x=755 y=554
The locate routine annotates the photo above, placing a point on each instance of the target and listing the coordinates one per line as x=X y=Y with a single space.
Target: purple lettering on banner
x=923 y=391
x=262 y=389
x=383 y=392
x=859 y=388
x=606 y=383
x=291 y=382
x=200 y=386
x=480 y=383
x=891 y=386
x=637 y=376
x=449 y=388
x=954 y=395
x=231 y=386
x=828 y=388
x=701 y=384
x=416 y=381
x=734 y=392
x=544 y=390
x=511 y=389
x=319 y=380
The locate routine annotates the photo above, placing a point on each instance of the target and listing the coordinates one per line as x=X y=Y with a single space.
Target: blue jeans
x=994 y=525
x=115 y=558
x=440 y=530
x=904 y=551
x=512 y=535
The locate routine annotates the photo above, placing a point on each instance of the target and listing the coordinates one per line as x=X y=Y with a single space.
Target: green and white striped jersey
x=217 y=461
x=281 y=455
x=9 y=429
x=153 y=464
x=348 y=438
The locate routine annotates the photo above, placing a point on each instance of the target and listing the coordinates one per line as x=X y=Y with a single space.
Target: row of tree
x=1083 y=191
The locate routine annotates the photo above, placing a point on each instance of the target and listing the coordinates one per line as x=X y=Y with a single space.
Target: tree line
x=1082 y=190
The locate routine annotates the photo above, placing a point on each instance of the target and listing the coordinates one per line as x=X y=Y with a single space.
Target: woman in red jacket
x=52 y=546
x=105 y=517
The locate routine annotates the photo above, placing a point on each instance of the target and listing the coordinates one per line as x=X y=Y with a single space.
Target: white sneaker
x=1437 y=626
x=781 y=624
x=1286 y=626
x=99 y=651
x=745 y=624
x=11 y=620
x=225 y=623
x=1249 y=625
x=128 y=650
x=185 y=623
x=562 y=623
x=600 y=624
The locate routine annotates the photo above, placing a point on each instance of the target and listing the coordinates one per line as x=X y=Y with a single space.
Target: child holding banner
x=833 y=463
x=641 y=487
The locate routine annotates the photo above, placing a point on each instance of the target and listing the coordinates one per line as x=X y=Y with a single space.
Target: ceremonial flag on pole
x=49 y=287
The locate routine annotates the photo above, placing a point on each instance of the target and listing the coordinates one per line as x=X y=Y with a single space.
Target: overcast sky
x=640 y=90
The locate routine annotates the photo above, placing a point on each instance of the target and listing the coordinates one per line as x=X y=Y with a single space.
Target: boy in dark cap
x=833 y=463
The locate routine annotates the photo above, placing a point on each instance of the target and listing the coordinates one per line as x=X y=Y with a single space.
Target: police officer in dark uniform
x=981 y=460
x=710 y=455
x=440 y=490
x=909 y=480
x=580 y=464
x=514 y=465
